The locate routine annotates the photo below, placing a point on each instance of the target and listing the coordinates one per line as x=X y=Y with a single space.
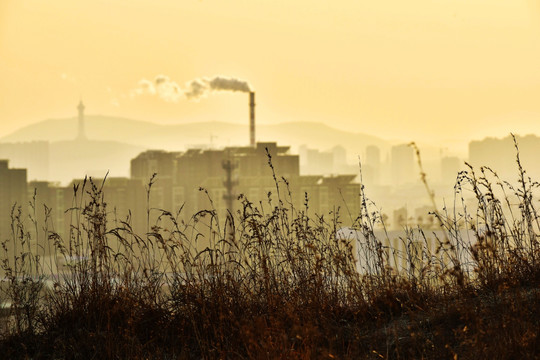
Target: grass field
x=277 y=283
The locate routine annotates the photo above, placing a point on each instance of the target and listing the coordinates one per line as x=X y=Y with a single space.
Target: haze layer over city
x=354 y=75
x=366 y=148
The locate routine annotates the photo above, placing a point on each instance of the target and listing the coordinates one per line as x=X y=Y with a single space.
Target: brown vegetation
x=276 y=282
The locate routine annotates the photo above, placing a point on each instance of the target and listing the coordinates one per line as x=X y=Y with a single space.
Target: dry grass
x=277 y=283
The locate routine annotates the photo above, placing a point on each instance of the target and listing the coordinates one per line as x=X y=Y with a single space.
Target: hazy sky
x=424 y=70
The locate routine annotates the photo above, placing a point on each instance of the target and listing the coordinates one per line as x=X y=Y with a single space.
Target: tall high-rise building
x=371 y=167
x=450 y=166
x=373 y=156
x=163 y=165
x=402 y=157
x=57 y=200
x=500 y=155
x=340 y=155
x=13 y=194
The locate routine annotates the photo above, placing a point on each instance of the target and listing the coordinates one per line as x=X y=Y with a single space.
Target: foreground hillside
x=276 y=282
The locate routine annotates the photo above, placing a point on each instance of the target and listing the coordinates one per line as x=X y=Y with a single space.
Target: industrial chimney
x=252 y=118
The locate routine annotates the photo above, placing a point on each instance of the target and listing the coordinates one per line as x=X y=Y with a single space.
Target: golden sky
x=424 y=70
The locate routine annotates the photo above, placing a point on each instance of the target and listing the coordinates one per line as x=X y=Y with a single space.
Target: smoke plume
x=170 y=91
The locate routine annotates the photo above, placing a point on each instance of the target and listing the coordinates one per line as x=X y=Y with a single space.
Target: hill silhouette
x=180 y=136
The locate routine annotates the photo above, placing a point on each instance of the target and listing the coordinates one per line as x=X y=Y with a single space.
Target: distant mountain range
x=181 y=136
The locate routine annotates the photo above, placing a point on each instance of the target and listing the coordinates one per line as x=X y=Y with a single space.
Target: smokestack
x=252 y=118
